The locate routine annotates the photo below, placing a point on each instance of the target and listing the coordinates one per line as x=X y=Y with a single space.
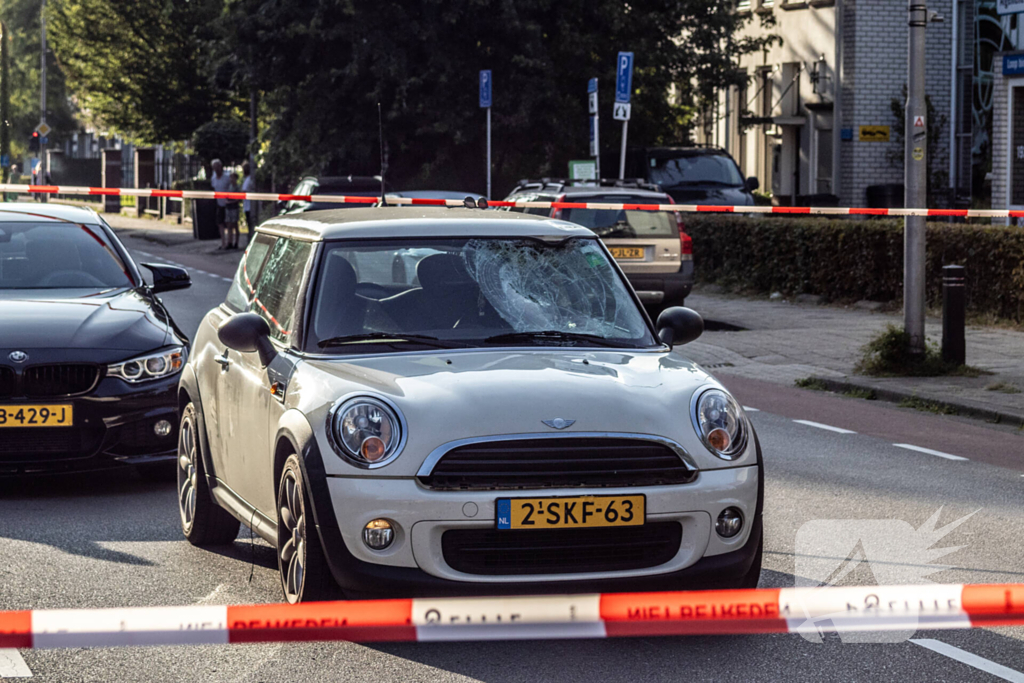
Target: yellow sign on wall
x=874 y=133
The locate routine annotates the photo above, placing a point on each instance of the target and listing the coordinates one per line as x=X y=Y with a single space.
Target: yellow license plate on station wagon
x=570 y=512
x=36 y=416
x=635 y=253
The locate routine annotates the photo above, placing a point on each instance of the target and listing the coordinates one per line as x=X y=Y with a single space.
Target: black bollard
x=954 y=348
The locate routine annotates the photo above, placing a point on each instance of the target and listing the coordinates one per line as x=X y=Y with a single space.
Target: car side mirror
x=167 y=278
x=248 y=333
x=753 y=183
x=678 y=325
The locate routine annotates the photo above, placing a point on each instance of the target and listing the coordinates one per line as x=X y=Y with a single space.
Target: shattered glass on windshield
x=568 y=287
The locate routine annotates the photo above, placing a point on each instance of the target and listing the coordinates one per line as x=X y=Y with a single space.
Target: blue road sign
x=5 y=160
x=592 y=85
x=485 y=89
x=624 y=77
x=43 y=140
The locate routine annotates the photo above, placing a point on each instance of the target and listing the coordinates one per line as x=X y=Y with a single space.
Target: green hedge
x=850 y=259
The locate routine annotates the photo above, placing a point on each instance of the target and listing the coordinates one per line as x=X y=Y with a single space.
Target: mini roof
x=32 y=212
x=384 y=222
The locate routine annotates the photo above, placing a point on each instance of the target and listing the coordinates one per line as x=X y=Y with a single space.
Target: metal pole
x=42 y=91
x=488 y=153
x=5 y=104
x=954 y=348
x=916 y=178
x=597 y=148
x=622 y=153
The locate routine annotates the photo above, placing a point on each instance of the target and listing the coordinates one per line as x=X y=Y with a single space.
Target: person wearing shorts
x=249 y=185
x=231 y=215
x=221 y=182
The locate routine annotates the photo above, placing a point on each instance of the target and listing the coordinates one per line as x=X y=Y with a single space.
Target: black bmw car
x=89 y=356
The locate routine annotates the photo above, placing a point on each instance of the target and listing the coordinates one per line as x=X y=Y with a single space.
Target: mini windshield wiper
x=554 y=336
x=389 y=338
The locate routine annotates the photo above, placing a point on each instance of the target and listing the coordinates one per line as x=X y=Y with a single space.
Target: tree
x=325 y=64
x=224 y=140
x=140 y=68
x=22 y=20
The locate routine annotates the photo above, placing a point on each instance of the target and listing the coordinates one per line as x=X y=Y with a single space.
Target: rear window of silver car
x=610 y=223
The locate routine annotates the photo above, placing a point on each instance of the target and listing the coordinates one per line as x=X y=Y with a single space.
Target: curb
x=897 y=396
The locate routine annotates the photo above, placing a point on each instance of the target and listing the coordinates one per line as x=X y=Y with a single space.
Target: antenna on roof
x=380 y=127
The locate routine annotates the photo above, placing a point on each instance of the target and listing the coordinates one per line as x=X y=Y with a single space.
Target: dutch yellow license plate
x=36 y=416
x=570 y=512
x=628 y=252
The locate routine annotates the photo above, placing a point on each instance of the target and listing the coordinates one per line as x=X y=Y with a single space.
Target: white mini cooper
x=508 y=420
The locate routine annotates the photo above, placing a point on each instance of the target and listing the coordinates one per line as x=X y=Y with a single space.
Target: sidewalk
x=782 y=342
x=178 y=237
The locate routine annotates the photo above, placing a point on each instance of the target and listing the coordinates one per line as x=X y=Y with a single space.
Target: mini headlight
x=366 y=431
x=151 y=366
x=719 y=421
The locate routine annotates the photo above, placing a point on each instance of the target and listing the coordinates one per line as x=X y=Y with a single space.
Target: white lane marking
x=988 y=666
x=209 y=599
x=838 y=430
x=751 y=410
x=144 y=253
x=227 y=279
x=919 y=449
x=12 y=665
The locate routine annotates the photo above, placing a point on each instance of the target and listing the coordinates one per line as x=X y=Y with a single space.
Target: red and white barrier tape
x=787 y=610
x=407 y=201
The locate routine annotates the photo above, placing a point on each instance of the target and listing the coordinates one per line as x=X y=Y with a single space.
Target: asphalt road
x=109 y=539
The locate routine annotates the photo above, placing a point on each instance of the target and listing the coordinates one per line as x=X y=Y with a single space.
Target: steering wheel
x=71 y=278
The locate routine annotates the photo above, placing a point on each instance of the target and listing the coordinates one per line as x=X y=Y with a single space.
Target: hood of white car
x=445 y=397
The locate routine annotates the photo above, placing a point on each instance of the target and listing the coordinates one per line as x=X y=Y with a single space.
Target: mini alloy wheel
x=305 y=576
x=202 y=520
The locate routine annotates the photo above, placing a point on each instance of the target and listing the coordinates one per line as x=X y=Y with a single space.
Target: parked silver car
x=512 y=424
x=652 y=247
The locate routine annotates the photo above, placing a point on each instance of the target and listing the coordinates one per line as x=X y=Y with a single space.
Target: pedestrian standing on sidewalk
x=220 y=182
x=249 y=185
x=231 y=215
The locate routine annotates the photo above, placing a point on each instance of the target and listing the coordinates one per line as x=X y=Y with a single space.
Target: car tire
x=305 y=576
x=158 y=472
x=202 y=521
x=753 y=574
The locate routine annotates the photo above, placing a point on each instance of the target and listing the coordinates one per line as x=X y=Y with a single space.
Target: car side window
x=277 y=291
x=242 y=287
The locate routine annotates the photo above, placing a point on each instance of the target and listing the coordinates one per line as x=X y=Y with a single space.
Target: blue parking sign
x=485 y=89
x=592 y=85
x=624 y=77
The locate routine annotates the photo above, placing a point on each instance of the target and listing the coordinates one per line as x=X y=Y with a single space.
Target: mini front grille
x=52 y=381
x=514 y=552
x=6 y=381
x=559 y=462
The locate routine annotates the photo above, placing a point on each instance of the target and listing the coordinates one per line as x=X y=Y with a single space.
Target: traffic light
x=33 y=142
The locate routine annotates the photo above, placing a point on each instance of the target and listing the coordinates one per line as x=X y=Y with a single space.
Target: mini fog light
x=729 y=523
x=378 y=534
x=162 y=428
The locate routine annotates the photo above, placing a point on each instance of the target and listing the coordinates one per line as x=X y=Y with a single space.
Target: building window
x=1017 y=146
x=743 y=5
x=823 y=162
x=767 y=4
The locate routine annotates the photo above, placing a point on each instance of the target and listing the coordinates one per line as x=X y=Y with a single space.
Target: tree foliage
x=139 y=68
x=323 y=66
x=224 y=140
x=23 y=31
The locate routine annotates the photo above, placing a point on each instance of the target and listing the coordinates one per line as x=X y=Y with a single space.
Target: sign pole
x=623 y=91
x=916 y=179
x=488 y=152
x=595 y=120
x=485 y=103
x=42 y=94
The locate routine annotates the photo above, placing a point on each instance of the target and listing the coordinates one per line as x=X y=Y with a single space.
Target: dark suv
x=351 y=186
x=692 y=175
x=651 y=247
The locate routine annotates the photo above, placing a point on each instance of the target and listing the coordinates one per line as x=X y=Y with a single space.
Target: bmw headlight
x=720 y=423
x=365 y=430
x=153 y=366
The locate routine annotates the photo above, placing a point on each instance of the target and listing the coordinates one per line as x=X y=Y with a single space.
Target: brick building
x=815 y=123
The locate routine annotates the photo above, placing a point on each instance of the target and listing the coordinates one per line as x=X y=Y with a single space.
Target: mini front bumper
x=415 y=562
x=113 y=425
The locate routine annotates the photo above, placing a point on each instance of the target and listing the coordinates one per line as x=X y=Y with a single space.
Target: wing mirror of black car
x=678 y=325
x=753 y=183
x=248 y=333
x=167 y=278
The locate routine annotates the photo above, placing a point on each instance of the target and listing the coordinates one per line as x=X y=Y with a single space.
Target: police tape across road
x=750 y=611
x=407 y=201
